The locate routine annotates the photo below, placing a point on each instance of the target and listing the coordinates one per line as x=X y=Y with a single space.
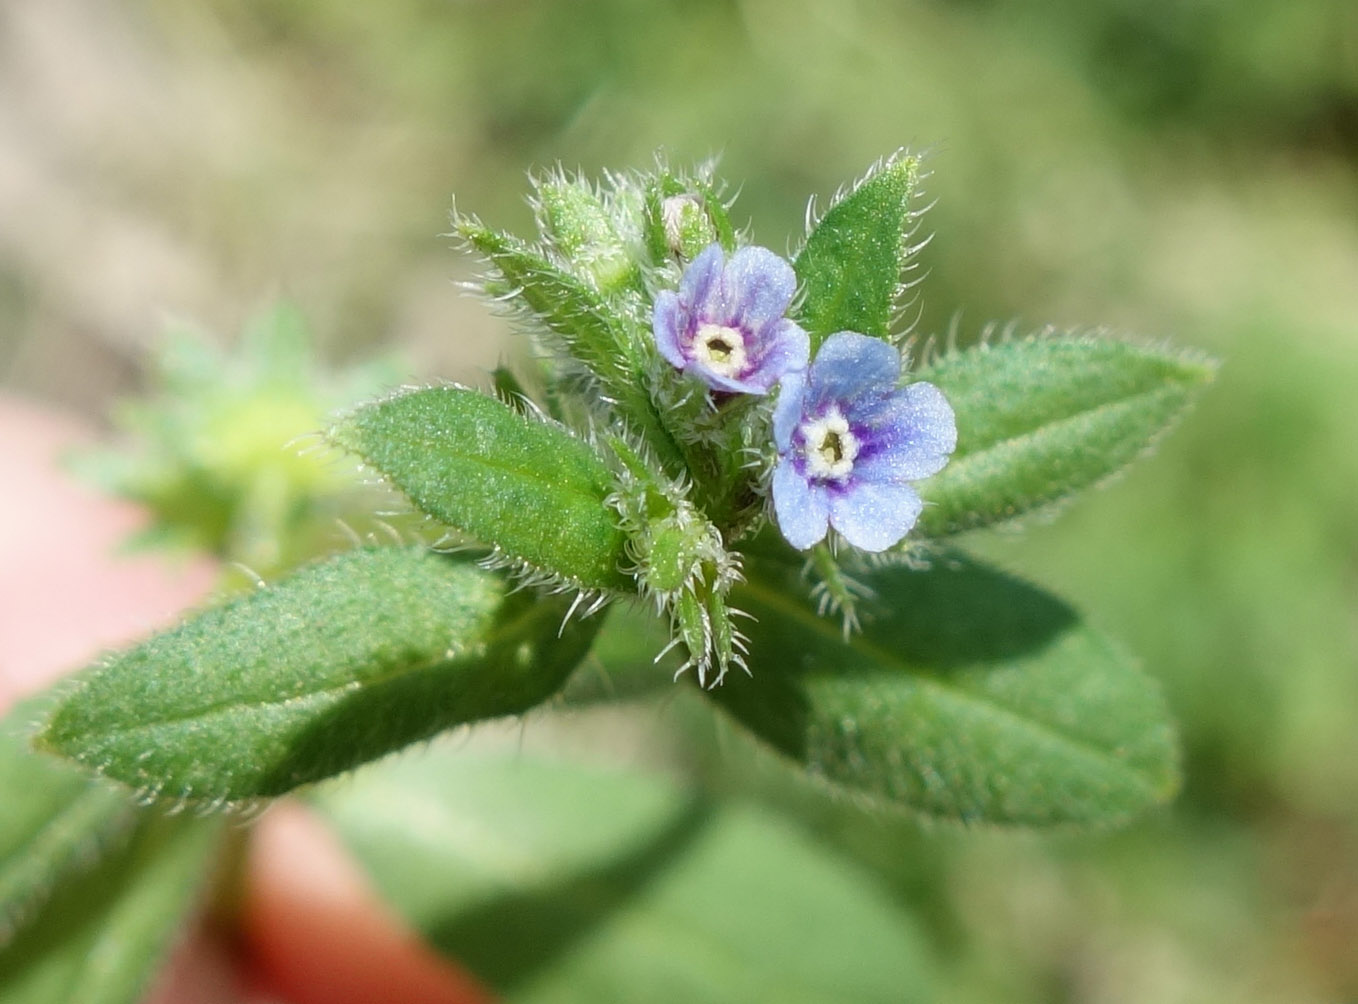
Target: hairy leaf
x=851 y=265
x=102 y=936
x=558 y=883
x=567 y=306
x=526 y=486
x=967 y=695
x=56 y=819
x=1040 y=419
x=337 y=665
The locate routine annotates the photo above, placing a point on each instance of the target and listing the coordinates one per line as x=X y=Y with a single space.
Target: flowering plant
x=706 y=430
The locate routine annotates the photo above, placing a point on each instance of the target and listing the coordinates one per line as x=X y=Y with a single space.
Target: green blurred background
x=1175 y=169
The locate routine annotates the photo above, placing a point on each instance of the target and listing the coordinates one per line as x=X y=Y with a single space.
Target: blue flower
x=850 y=442
x=726 y=325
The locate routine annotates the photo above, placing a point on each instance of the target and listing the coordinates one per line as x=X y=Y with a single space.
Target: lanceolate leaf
x=565 y=305
x=851 y=265
x=56 y=819
x=1039 y=419
x=104 y=934
x=968 y=695
x=524 y=485
x=556 y=882
x=337 y=665
x=608 y=336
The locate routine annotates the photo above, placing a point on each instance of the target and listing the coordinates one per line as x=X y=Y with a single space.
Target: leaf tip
x=1198 y=369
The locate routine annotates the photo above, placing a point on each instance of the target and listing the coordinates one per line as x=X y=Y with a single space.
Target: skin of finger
x=316 y=933
x=65 y=590
x=204 y=970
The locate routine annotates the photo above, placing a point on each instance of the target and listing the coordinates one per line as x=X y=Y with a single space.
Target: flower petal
x=911 y=435
x=786 y=347
x=700 y=289
x=873 y=516
x=849 y=364
x=724 y=383
x=788 y=411
x=802 y=509
x=666 y=321
x=758 y=287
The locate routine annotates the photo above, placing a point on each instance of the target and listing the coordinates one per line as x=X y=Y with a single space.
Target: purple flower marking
x=726 y=323
x=850 y=442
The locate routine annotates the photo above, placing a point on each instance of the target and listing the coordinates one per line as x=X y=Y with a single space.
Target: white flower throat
x=720 y=349
x=830 y=447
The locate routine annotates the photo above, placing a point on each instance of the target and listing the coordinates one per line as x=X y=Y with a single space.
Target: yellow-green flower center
x=720 y=350
x=831 y=448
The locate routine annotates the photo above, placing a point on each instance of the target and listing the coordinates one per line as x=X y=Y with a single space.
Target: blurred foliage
x=1176 y=166
x=219 y=454
x=617 y=885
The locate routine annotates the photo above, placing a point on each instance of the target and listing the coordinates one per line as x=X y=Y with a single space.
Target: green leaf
x=524 y=485
x=103 y=935
x=968 y=695
x=608 y=336
x=851 y=265
x=56 y=820
x=623 y=663
x=337 y=665
x=1039 y=419
x=573 y=310
x=558 y=883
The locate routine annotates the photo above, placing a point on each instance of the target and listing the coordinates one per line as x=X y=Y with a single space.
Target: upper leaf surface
x=337 y=665
x=850 y=268
x=1039 y=419
x=103 y=934
x=566 y=305
x=556 y=882
x=55 y=818
x=967 y=695
x=526 y=486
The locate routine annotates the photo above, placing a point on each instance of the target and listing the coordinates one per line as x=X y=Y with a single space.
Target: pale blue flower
x=725 y=324
x=850 y=444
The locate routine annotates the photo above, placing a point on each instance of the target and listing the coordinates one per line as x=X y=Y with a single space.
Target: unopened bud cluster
x=677 y=346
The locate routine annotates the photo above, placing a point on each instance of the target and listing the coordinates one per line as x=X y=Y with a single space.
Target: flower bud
x=688 y=229
x=584 y=232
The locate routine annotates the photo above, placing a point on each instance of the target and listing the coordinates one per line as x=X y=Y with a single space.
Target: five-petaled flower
x=725 y=324
x=850 y=442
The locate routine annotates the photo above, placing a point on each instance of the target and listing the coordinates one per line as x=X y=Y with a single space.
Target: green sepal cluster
x=584 y=291
x=680 y=562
